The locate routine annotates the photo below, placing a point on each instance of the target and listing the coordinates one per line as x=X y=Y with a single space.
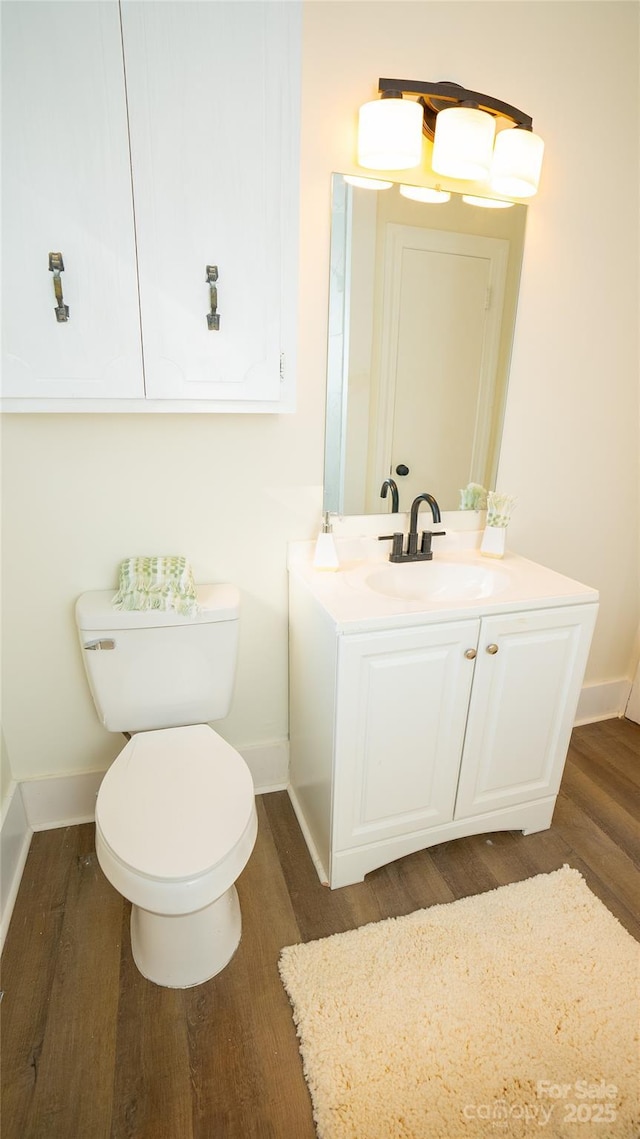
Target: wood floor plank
x=74 y=1087
x=151 y=1088
x=614 y=743
x=29 y=966
x=612 y=773
x=319 y=911
x=618 y=821
x=244 y=1015
x=463 y=870
x=91 y=1050
x=511 y=857
x=410 y=883
x=614 y=868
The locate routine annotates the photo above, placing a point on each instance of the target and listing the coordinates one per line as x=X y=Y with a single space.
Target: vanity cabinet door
x=401 y=713
x=212 y=99
x=527 y=682
x=67 y=190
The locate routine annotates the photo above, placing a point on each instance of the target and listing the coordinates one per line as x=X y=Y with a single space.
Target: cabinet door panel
x=67 y=189
x=208 y=110
x=402 y=703
x=523 y=707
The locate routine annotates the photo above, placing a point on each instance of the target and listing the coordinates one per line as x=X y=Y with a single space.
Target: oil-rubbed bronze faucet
x=391 y=484
x=412 y=537
x=412 y=553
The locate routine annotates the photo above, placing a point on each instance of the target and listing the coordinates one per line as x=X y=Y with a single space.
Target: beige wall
x=6 y=774
x=82 y=492
x=571 y=441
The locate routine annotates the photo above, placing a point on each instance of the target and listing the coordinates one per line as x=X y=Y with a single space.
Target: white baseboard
x=66 y=800
x=632 y=710
x=269 y=765
x=15 y=837
x=602 y=701
x=61 y=800
x=308 y=837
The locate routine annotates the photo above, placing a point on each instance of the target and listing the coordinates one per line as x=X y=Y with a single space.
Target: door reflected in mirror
x=422 y=307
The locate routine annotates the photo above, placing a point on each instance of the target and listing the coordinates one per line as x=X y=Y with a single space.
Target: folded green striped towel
x=157 y=583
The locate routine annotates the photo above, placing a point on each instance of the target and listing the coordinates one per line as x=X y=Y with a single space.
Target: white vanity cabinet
x=410 y=736
x=153 y=146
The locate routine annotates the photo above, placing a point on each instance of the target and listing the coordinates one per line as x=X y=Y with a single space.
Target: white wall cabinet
x=66 y=182
x=438 y=731
x=145 y=142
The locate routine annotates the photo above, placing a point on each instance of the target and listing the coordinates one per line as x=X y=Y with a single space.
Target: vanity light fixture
x=487 y=203
x=463 y=143
x=517 y=161
x=434 y=197
x=463 y=125
x=367 y=183
x=390 y=133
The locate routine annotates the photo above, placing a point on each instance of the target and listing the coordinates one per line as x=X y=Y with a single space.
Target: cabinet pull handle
x=56 y=266
x=492 y=650
x=470 y=654
x=213 y=317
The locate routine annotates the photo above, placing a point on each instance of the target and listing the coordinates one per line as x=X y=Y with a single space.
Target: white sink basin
x=435 y=581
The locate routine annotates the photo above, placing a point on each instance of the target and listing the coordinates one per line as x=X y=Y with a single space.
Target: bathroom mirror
x=422 y=307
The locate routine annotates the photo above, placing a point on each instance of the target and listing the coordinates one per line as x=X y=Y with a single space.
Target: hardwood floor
x=93 y=1051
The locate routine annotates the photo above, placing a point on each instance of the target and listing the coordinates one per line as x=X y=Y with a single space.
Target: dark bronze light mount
x=476 y=137
x=436 y=97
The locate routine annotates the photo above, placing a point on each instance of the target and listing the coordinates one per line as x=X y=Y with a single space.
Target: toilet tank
x=156 y=669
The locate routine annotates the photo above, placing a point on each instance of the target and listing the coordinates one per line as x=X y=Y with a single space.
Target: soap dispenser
x=325 y=556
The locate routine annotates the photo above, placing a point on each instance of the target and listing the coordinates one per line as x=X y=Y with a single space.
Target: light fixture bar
x=437 y=96
x=462 y=124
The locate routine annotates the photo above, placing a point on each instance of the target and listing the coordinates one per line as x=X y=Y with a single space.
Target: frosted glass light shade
x=367 y=183
x=390 y=134
x=517 y=162
x=463 y=143
x=486 y=203
x=425 y=194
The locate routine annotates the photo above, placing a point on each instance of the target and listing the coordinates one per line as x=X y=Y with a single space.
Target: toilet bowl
x=175 y=826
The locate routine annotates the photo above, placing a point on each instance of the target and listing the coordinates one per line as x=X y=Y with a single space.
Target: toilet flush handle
x=106 y=643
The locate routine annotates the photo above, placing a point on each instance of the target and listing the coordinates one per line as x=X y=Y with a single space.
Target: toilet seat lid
x=175 y=802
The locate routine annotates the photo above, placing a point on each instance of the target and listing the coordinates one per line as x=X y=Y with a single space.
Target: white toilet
x=175 y=815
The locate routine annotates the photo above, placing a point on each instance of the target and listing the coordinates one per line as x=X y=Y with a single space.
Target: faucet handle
x=427 y=535
x=397 y=541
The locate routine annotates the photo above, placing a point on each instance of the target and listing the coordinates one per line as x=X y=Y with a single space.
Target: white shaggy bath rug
x=512 y=1013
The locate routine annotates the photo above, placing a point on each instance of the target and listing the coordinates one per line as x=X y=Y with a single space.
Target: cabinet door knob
x=492 y=649
x=470 y=654
x=402 y=469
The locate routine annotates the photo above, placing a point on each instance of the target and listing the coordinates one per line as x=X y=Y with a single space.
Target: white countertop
x=355 y=608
